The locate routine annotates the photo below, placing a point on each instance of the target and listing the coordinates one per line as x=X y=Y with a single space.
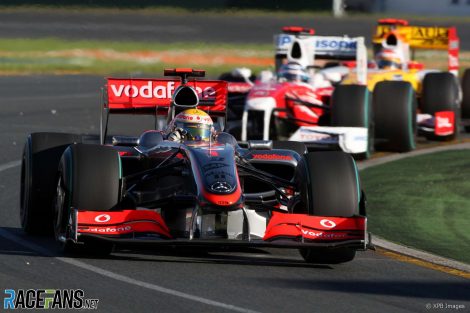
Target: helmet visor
x=195 y=132
x=294 y=77
x=388 y=64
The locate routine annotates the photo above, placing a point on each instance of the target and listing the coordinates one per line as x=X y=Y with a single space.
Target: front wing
x=282 y=230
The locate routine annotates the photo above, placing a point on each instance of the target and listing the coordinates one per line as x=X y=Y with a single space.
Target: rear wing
x=154 y=97
x=421 y=37
x=305 y=49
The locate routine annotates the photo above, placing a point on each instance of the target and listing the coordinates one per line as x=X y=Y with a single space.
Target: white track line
x=43 y=251
x=9 y=165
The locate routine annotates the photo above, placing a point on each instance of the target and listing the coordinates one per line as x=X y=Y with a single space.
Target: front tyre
x=89 y=180
x=329 y=183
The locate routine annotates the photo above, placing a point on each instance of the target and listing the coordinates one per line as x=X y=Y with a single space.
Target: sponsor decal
x=158 y=91
x=336 y=44
x=143 y=93
x=417 y=36
x=284 y=40
x=429 y=32
x=194 y=117
x=103 y=218
x=453 y=44
x=322 y=235
x=272 y=157
x=146 y=91
x=444 y=123
x=111 y=229
x=212 y=166
x=453 y=61
x=41 y=299
x=327 y=223
x=222 y=187
x=310 y=136
x=239 y=87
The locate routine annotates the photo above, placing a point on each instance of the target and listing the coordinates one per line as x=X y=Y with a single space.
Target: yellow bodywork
x=373 y=77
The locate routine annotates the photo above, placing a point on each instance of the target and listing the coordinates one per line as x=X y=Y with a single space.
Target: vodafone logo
x=322 y=235
x=146 y=91
x=118 y=229
x=272 y=157
x=157 y=91
x=327 y=223
x=103 y=218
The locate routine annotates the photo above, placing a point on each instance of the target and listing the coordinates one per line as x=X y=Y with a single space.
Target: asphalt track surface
x=267 y=280
x=166 y=28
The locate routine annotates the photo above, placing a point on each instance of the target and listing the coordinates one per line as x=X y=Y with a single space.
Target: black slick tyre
x=441 y=93
x=351 y=107
x=394 y=107
x=89 y=180
x=466 y=96
x=330 y=187
x=41 y=156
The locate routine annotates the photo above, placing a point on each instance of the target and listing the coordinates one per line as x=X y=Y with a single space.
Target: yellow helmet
x=196 y=123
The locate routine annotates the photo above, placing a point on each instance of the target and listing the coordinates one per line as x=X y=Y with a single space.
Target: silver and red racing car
x=154 y=190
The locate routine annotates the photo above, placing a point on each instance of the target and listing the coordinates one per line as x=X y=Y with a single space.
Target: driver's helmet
x=293 y=72
x=196 y=124
x=388 y=59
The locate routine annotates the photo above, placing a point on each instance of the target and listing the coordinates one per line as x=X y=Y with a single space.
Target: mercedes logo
x=221 y=187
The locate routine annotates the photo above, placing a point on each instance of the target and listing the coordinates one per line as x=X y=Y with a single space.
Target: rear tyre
x=41 y=156
x=89 y=180
x=351 y=107
x=394 y=106
x=466 y=96
x=329 y=184
x=441 y=93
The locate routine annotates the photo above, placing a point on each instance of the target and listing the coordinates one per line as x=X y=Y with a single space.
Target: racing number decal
x=103 y=218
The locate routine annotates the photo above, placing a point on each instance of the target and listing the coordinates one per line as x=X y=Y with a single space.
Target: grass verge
x=422 y=202
x=53 y=55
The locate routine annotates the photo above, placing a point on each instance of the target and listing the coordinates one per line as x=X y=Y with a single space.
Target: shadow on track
x=457 y=291
x=46 y=246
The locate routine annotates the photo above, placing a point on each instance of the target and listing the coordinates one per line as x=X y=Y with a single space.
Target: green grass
x=423 y=202
x=48 y=44
x=52 y=55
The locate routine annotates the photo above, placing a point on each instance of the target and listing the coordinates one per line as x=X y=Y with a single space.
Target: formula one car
x=406 y=96
x=195 y=191
x=314 y=110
